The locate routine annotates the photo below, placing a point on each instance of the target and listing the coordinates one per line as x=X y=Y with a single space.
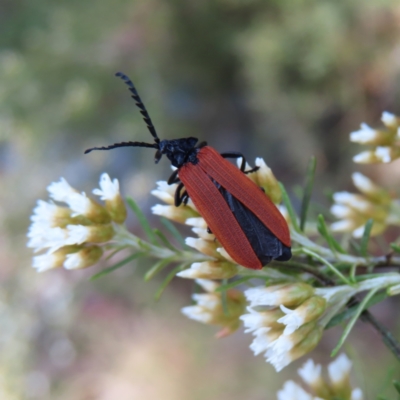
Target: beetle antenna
x=124 y=144
x=135 y=96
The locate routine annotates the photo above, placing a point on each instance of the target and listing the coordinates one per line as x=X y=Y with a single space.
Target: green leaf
x=328 y=264
x=330 y=240
x=158 y=267
x=349 y=312
x=118 y=265
x=395 y=247
x=365 y=237
x=396 y=384
x=289 y=207
x=224 y=299
x=168 y=279
x=349 y=326
x=175 y=233
x=307 y=191
x=117 y=250
x=230 y=285
x=382 y=397
x=142 y=220
x=164 y=240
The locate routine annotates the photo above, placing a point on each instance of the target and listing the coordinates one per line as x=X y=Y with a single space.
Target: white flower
x=339 y=369
x=311 y=375
x=356 y=394
x=310 y=372
x=260 y=319
x=209 y=270
x=165 y=192
x=108 y=189
x=42 y=237
x=77 y=234
x=61 y=191
x=293 y=391
x=389 y=119
x=207 y=305
x=293 y=319
x=383 y=154
x=83 y=258
x=46 y=262
x=364 y=184
x=365 y=157
x=286 y=294
x=263 y=339
x=365 y=135
x=48 y=213
x=178 y=214
x=287 y=348
x=197 y=222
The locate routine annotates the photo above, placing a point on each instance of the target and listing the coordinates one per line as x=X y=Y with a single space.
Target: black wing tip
x=87 y=151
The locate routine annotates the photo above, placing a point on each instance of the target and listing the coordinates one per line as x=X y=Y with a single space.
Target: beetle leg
x=181 y=198
x=236 y=154
x=173 y=178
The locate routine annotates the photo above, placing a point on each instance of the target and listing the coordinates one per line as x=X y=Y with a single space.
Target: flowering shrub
x=285 y=306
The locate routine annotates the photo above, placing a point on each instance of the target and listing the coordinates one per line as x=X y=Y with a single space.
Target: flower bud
x=53 y=260
x=209 y=270
x=203 y=234
x=310 y=341
x=79 y=203
x=367 y=135
x=197 y=222
x=266 y=179
x=390 y=120
x=165 y=192
x=109 y=192
x=204 y=246
x=84 y=258
x=78 y=234
x=209 y=310
x=311 y=375
x=339 y=374
x=291 y=294
x=288 y=348
x=261 y=319
x=224 y=254
x=178 y=214
x=309 y=310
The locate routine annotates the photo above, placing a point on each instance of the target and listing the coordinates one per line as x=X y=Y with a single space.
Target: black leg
x=181 y=198
x=173 y=178
x=236 y=154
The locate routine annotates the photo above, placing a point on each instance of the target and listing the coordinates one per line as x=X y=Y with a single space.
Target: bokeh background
x=280 y=79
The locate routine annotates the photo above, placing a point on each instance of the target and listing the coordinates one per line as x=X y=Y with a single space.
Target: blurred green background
x=280 y=79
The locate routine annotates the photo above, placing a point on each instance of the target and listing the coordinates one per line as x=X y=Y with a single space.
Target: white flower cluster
x=354 y=210
x=338 y=385
x=70 y=235
x=384 y=142
x=284 y=320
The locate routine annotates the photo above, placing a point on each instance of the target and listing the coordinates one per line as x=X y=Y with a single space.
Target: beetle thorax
x=180 y=151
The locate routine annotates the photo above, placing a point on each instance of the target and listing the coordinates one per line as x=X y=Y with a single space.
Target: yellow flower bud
x=84 y=258
x=209 y=270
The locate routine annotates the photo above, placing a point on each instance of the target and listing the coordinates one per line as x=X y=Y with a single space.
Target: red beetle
x=243 y=219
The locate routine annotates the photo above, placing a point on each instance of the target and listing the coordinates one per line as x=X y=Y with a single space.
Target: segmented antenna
x=135 y=96
x=124 y=144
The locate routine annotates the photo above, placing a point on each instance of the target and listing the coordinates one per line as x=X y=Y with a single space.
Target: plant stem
x=387 y=337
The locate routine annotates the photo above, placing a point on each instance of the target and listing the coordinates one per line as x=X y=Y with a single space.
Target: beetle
x=240 y=215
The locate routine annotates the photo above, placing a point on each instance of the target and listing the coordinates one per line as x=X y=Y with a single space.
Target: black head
x=178 y=151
